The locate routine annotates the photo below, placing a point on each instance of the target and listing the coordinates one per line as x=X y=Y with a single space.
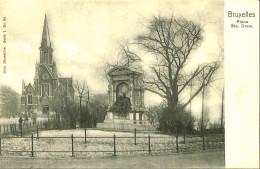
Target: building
x=38 y=97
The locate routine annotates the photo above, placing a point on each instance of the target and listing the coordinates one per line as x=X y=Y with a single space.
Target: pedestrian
x=20 y=123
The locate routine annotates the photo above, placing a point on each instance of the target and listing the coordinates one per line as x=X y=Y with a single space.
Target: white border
x=242 y=86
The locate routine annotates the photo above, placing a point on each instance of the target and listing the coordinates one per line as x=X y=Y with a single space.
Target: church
x=39 y=96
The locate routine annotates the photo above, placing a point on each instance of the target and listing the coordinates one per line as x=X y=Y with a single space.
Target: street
x=208 y=159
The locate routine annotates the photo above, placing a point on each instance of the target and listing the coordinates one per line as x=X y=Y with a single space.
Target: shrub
x=181 y=122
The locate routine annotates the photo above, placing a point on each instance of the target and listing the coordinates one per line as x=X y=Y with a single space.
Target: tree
x=203 y=122
x=171 y=41
x=58 y=104
x=65 y=108
x=98 y=108
x=95 y=111
x=214 y=127
x=183 y=120
x=222 y=113
x=82 y=90
x=69 y=115
x=10 y=101
x=154 y=113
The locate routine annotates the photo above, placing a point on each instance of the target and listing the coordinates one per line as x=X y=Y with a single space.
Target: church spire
x=45 y=49
x=45 y=34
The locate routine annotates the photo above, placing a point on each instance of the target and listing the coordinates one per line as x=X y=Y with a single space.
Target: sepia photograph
x=112 y=84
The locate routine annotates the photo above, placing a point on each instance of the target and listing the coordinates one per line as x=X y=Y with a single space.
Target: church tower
x=38 y=97
x=46 y=78
x=46 y=49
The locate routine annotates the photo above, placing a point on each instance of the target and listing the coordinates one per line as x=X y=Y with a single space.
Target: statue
x=122 y=105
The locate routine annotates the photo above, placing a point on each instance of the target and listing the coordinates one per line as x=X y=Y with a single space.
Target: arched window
x=122 y=88
x=46 y=89
x=29 y=99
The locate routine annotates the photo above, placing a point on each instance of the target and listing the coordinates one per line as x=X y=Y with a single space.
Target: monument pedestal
x=130 y=122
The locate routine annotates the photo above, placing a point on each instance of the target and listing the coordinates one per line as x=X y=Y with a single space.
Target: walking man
x=20 y=123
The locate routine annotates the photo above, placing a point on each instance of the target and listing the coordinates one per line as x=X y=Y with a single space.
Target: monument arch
x=126 y=101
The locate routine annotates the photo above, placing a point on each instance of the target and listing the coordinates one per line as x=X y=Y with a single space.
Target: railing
x=112 y=144
x=20 y=129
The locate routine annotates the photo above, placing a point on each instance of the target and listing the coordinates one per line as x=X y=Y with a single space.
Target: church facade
x=39 y=96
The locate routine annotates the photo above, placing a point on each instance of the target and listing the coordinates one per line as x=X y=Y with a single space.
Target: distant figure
x=20 y=123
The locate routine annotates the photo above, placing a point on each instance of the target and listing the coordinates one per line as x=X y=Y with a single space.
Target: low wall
x=124 y=126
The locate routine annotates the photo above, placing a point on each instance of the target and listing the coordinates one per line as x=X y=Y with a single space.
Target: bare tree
x=171 y=41
x=203 y=122
x=82 y=90
x=222 y=113
x=124 y=58
x=128 y=57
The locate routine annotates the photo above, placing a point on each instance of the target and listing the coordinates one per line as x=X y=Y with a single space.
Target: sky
x=85 y=36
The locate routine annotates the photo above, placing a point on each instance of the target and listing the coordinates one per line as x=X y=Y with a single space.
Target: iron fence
x=20 y=129
x=114 y=144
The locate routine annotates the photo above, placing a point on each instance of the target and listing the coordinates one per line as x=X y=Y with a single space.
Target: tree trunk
x=80 y=114
x=222 y=113
x=172 y=114
x=202 y=111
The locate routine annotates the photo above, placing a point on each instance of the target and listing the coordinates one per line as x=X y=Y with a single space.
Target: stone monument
x=126 y=101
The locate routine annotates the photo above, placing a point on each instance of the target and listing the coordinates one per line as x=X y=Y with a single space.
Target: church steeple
x=45 y=49
x=46 y=42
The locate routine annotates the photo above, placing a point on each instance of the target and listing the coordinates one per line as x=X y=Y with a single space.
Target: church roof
x=65 y=81
x=46 y=42
x=30 y=89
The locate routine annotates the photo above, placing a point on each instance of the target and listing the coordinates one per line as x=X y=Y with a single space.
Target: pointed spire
x=46 y=42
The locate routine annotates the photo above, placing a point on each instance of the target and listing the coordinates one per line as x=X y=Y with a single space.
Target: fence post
x=72 y=148
x=4 y=128
x=0 y=145
x=203 y=140
x=114 y=145
x=0 y=130
x=37 y=132
x=21 y=129
x=85 y=135
x=184 y=137
x=11 y=129
x=32 y=145
x=15 y=129
x=149 y=143
x=177 y=144
x=135 y=136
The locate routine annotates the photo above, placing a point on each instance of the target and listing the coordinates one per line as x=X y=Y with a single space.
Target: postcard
x=129 y=84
